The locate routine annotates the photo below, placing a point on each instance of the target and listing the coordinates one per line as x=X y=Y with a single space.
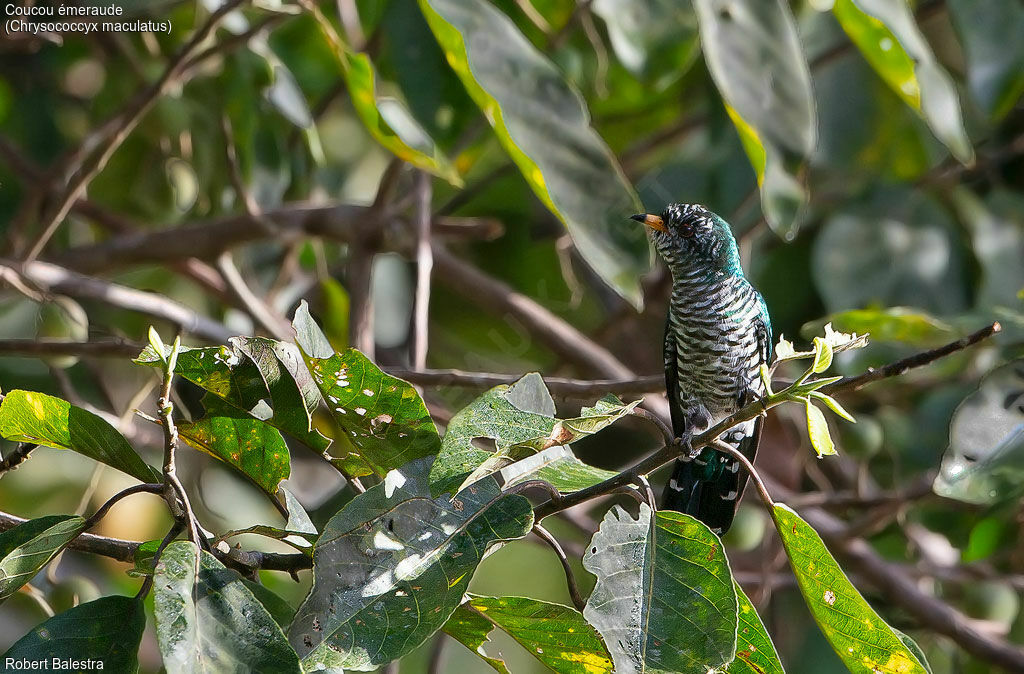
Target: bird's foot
x=685 y=444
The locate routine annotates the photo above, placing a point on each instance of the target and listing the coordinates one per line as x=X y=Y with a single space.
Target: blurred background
x=872 y=170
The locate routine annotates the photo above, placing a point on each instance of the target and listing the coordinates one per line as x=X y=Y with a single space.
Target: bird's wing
x=672 y=383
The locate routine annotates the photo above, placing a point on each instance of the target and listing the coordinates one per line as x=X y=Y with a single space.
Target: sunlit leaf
x=393 y=564
x=107 y=630
x=859 y=636
x=215 y=624
x=891 y=324
x=544 y=125
x=519 y=421
x=252 y=447
x=557 y=466
x=888 y=36
x=383 y=416
x=817 y=431
x=29 y=546
x=664 y=599
x=264 y=378
x=753 y=52
x=985 y=460
x=832 y=404
x=27 y=416
x=473 y=631
x=755 y=652
x=556 y=635
x=406 y=141
x=822 y=356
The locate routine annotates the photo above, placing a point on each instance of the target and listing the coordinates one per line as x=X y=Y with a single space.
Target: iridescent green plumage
x=717 y=335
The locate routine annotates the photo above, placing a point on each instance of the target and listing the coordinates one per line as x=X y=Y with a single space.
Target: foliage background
x=893 y=220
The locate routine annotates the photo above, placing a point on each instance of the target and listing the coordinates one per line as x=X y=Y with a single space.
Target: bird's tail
x=710 y=485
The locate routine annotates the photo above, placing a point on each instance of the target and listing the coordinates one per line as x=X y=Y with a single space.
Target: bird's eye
x=686 y=230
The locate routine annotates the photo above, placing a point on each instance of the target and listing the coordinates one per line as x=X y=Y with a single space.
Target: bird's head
x=689 y=236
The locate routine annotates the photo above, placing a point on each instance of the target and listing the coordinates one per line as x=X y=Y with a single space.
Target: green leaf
x=665 y=598
x=817 y=430
x=863 y=641
x=27 y=416
x=990 y=32
x=520 y=421
x=822 y=356
x=214 y=625
x=556 y=635
x=393 y=564
x=336 y=312
x=833 y=405
x=281 y=611
x=544 y=126
x=143 y=559
x=264 y=378
x=383 y=416
x=746 y=44
x=888 y=37
x=985 y=460
x=29 y=546
x=891 y=324
x=654 y=39
x=388 y=121
x=557 y=466
x=107 y=630
x=254 y=448
x=755 y=652
x=472 y=630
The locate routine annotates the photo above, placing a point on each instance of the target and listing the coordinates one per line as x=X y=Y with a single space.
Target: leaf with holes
x=888 y=37
x=28 y=547
x=264 y=378
x=252 y=447
x=392 y=565
x=665 y=598
x=27 y=416
x=544 y=125
x=214 y=624
x=473 y=631
x=107 y=630
x=518 y=420
x=383 y=416
x=863 y=641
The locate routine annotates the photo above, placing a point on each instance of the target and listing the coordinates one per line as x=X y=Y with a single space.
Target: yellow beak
x=652 y=221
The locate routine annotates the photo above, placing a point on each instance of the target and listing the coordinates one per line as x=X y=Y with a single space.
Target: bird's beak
x=652 y=221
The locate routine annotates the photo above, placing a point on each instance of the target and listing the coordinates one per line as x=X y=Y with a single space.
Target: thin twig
x=146 y=487
x=570 y=576
x=424 y=264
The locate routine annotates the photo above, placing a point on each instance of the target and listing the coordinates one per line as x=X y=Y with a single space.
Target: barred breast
x=715 y=324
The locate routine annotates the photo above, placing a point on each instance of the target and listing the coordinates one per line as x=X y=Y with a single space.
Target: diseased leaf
x=383 y=416
x=472 y=630
x=556 y=635
x=29 y=546
x=253 y=447
x=753 y=52
x=262 y=377
x=544 y=126
x=214 y=625
x=405 y=139
x=27 y=416
x=665 y=599
x=518 y=419
x=107 y=630
x=755 y=652
x=888 y=36
x=985 y=460
x=392 y=565
x=817 y=430
x=281 y=611
x=861 y=639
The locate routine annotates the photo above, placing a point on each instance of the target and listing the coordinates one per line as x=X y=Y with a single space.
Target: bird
x=717 y=335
